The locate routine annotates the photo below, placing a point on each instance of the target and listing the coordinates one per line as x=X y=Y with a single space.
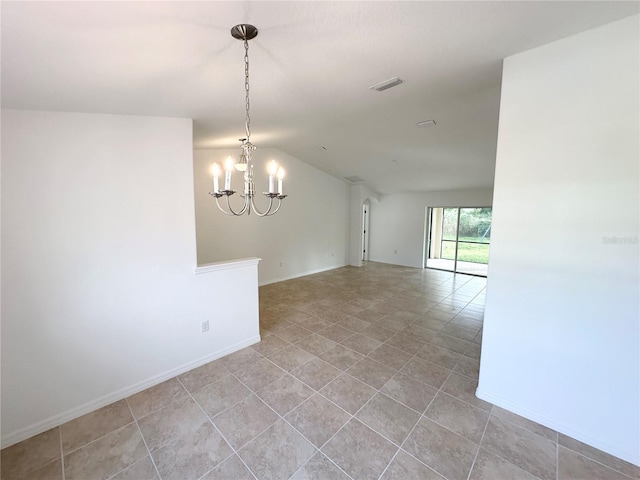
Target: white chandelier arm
x=230 y=212
x=258 y=212
x=242 y=210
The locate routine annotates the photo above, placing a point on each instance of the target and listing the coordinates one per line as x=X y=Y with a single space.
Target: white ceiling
x=311 y=66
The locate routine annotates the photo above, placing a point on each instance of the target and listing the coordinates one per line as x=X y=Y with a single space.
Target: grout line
x=557 y=458
x=233 y=450
x=600 y=463
x=99 y=438
x=473 y=464
x=61 y=452
x=146 y=446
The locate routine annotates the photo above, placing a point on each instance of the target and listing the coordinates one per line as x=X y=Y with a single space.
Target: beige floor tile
x=154 y=398
x=336 y=333
x=421 y=333
x=277 y=453
x=469 y=367
x=294 y=333
x=390 y=356
x=473 y=351
x=341 y=357
x=489 y=467
x=525 y=423
x=378 y=332
x=458 y=331
x=50 y=471
x=319 y=467
x=231 y=469
x=439 y=355
x=361 y=343
x=219 y=396
x=407 y=391
x=406 y=343
x=470 y=322
x=261 y=373
x=316 y=344
x=354 y=323
x=426 y=372
x=238 y=361
x=359 y=451
x=141 y=470
x=447 y=453
x=316 y=373
x=192 y=455
x=599 y=456
x=276 y=324
x=434 y=324
x=296 y=316
x=348 y=393
x=406 y=467
x=573 y=466
x=270 y=345
x=291 y=357
x=397 y=323
x=205 y=375
x=285 y=394
x=451 y=343
x=371 y=372
x=171 y=422
x=245 y=420
x=106 y=456
x=389 y=418
x=318 y=419
x=315 y=324
x=527 y=450
x=458 y=416
x=20 y=459
x=94 y=425
x=464 y=388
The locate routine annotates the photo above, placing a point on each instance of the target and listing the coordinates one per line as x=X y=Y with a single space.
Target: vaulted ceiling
x=311 y=68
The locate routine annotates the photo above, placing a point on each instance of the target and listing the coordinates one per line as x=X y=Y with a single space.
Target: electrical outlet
x=326 y=255
x=282 y=264
x=205 y=326
x=395 y=251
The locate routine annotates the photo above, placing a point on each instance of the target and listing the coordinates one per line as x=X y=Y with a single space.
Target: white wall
x=99 y=298
x=561 y=331
x=308 y=234
x=397 y=222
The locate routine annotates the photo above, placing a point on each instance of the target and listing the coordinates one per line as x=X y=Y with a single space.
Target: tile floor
x=362 y=373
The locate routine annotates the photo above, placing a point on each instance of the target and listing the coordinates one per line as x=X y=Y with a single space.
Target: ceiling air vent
x=426 y=123
x=392 y=82
x=354 y=179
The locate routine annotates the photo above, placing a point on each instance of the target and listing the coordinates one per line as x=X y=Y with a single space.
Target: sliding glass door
x=458 y=239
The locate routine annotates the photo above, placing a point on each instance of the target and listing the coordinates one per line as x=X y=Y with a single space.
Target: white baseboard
x=554 y=424
x=73 y=413
x=301 y=274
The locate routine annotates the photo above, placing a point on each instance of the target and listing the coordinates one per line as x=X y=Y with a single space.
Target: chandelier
x=245 y=33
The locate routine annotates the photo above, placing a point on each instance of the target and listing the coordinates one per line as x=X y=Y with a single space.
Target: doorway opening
x=457 y=239
x=365 y=231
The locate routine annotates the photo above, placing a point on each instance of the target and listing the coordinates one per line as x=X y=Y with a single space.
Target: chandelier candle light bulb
x=228 y=168
x=216 y=174
x=273 y=168
x=280 y=177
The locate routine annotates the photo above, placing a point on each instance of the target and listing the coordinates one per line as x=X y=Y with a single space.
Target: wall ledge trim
x=226 y=265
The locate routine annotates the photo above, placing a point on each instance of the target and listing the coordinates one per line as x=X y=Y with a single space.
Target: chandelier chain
x=247 y=32
x=247 y=124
